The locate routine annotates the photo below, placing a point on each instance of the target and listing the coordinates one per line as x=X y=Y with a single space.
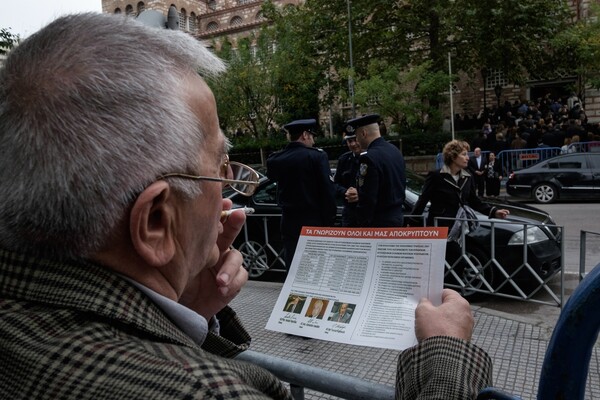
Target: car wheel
x=545 y=193
x=475 y=271
x=255 y=258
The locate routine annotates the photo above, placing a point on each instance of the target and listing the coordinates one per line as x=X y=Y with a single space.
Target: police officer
x=345 y=179
x=381 y=179
x=305 y=191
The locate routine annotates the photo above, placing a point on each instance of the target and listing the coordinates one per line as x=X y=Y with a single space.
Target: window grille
x=235 y=21
x=212 y=5
x=183 y=19
x=193 y=22
x=140 y=7
x=212 y=26
x=495 y=77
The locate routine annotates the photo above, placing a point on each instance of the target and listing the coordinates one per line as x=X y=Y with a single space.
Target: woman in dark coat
x=447 y=188
x=493 y=176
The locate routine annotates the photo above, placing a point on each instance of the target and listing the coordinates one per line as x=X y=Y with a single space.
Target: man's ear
x=151 y=224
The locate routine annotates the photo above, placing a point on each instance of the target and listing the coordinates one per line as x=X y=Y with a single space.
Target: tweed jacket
x=79 y=331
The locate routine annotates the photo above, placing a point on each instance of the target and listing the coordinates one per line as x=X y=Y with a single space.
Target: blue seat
x=566 y=363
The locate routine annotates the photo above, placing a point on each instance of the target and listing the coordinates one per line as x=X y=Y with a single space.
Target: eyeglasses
x=237 y=176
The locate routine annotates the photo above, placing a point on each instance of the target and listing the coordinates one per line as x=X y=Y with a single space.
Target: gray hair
x=91 y=112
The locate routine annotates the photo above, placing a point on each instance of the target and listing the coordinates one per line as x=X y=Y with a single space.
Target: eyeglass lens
x=241 y=172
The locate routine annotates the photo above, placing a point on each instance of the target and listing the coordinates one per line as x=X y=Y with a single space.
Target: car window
x=573 y=162
x=595 y=161
x=267 y=194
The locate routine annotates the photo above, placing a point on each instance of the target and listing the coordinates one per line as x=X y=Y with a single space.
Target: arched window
x=183 y=19
x=245 y=1
x=129 y=10
x=212 y=5
x=140 y=7
x=212 y=26
x=237 y=20
x=193 y=23
x=117 y=11
x=260 y=15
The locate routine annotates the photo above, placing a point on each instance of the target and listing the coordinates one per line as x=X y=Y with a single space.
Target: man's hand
x=214 y=287
x=351 y=195
x=452 y=318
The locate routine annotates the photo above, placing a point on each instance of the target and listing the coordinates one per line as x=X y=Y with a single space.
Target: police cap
x=301 y=125
x=353 y=124
x=347 y=134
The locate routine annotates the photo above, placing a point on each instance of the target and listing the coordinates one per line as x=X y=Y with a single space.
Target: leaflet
x=360 y=285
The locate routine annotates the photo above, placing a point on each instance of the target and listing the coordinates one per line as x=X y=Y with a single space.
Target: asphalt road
x=575 y=217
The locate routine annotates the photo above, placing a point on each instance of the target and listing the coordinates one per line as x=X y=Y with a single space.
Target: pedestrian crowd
x=545 y=122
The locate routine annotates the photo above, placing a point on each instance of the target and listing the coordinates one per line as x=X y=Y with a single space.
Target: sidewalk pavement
x=517 y=347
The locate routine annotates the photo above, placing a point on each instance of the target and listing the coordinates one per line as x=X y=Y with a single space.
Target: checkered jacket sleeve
x=443 y=368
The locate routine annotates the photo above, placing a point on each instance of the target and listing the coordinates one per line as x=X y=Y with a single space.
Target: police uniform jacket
x=381 y=182
x=446 y=196
x=305 y=191
x=80 y=331
x=345 y=177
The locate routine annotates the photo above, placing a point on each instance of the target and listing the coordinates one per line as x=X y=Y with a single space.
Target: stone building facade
x=216 y=20
x=210 y=20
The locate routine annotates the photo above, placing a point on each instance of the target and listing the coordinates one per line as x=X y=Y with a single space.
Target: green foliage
x=408 y=96
x=7 y=40
x=579 y=47
x=509 y=35
x=301 y=62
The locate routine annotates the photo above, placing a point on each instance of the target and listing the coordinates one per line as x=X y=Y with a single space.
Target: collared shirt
x=193 y=324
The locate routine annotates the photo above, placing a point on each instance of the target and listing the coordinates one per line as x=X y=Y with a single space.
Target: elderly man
x=115 y=266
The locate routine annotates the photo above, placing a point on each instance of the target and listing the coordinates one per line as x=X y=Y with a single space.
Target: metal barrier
x=301 y=376
x=469 y=275
x=514 y=160
x=584 y=147
x=261 y=257
x=583 y=238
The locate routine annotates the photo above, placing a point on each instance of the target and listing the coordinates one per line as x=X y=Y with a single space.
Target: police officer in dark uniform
x=305 y=191
x=381 y=177
x=345 y=179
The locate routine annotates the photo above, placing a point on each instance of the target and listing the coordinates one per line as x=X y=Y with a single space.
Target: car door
x=575 y=175
x=594 y=162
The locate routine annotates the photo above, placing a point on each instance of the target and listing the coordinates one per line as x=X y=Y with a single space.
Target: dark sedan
x=568 y=176
x=261 y=245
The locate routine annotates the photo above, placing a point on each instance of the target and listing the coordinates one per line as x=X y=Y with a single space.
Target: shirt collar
x=190 y=322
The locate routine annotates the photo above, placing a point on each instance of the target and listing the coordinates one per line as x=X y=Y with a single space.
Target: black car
x=568 y=176
x=512 y=264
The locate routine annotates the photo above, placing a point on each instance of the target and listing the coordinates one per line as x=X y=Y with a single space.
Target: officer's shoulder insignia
x=363 y=169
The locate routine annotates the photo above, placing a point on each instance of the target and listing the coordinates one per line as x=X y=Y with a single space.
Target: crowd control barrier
x=301 y=376
x=567 y=360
